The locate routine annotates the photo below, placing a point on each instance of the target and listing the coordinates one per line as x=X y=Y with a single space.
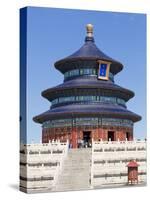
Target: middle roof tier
x=86 y=86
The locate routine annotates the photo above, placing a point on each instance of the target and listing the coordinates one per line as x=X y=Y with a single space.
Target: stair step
x=75 y=173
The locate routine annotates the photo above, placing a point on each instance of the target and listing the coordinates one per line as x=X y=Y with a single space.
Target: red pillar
x=74 y=138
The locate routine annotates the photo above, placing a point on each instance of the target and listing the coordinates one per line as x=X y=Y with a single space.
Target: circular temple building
x=88 y=104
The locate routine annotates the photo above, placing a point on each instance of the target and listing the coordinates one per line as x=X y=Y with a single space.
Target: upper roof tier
x=88 y=52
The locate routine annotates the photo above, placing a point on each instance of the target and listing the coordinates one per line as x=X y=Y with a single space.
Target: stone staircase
x=75 y=172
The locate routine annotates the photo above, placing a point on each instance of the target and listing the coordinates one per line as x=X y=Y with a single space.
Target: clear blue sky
x=56 y=33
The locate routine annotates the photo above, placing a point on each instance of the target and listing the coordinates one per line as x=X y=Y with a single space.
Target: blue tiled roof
x=87 y=110
x=89 y=51
x=87 y=55
x=86 y=83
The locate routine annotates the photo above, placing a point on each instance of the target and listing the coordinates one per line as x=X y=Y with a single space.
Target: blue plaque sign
x=103 y=71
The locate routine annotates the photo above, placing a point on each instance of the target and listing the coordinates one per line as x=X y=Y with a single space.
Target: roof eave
x=62 y=65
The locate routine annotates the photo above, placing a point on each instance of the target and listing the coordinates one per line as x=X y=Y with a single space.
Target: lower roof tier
x=108 y=111
x=88 y=86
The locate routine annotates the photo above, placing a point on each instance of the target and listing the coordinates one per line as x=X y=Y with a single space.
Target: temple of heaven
x=88 y=104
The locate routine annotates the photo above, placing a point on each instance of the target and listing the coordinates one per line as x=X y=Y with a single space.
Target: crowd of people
x=84 y=144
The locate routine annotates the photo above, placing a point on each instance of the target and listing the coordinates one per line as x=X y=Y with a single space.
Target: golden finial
x=89 y=29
